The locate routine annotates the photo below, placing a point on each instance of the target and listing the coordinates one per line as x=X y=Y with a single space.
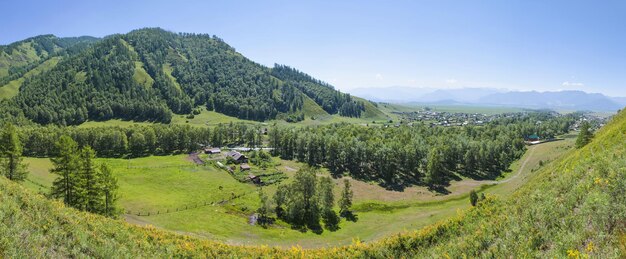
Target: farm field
x=211 y=118
x=161 y=185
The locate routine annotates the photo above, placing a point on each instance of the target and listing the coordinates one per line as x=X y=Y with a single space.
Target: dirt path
x=521 y=168
x=195 y=158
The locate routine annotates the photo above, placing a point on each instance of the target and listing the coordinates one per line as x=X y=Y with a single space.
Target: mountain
x=564 y=100
x=394 y=94
x=148 y=74
x=573 y=205
x=24 y=59
x=620 y=100
x=461 y=95
x=568 y=100
x=404 y=94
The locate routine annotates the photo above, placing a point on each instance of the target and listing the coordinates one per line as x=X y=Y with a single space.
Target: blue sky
x=520 y=45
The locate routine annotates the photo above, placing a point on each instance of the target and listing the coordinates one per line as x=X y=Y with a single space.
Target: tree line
x=137 y=141
x=419 y=154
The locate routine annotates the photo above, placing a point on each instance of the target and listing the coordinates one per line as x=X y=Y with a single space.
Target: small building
x=532 y=137
x=214 y=150
x=255 y=179
x=244 y=167
x=237 y=157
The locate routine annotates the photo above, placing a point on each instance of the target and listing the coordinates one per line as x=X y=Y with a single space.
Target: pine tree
x=90 y=180
x=11 y=164
x=280 y=198
x=584 y=136
x=345 y=202
x=435 y=169
x=473 y=198
x=264 y=208
x=66 y=166
x=108 y=182
x=327 y=202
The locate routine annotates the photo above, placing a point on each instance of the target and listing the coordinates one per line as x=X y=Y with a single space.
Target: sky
x=516 y=45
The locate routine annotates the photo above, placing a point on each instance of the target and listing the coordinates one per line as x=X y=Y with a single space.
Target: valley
x=153 y=143
x=161 y=185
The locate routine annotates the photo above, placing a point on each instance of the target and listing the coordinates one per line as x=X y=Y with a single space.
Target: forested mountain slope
x=573 y=206
x=148 y=74
x=20 y=57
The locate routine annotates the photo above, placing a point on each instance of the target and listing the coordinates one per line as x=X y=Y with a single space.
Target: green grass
x=167 y=183
x=208 y=118
x=167 y=68
x=112 y=123
x=23 y=55
x=141 y=76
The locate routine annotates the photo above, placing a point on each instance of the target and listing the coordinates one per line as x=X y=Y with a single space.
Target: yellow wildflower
x=573 y=253
x=590 y=247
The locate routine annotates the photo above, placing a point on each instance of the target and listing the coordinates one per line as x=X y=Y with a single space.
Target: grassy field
x=160 y=185
x=210 y=118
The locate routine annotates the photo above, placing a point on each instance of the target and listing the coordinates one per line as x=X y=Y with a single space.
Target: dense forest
x=417 y=154
x=139 y=140
x=148 y=74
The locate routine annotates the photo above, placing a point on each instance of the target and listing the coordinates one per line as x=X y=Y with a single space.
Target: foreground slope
x=573 y=206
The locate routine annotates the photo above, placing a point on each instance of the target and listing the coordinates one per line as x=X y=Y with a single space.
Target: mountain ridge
x=149 y=74
x=564 y=99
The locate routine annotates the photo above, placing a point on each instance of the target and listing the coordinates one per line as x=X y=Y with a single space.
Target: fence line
x=187 y=207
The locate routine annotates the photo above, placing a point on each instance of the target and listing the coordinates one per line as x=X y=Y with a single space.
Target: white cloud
x=567 y=83
x=379 y=77
x=451 y=81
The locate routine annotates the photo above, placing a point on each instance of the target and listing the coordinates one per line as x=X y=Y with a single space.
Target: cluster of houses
x=236 y=157
x=446 y=119
x=595 y=121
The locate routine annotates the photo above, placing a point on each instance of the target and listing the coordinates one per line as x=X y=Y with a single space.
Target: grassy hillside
x=11 y=89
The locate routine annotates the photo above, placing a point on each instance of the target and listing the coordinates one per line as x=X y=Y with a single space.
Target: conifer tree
x=264 y=208
x=327 y=202
x=11 y=161
x=108 y=182
x=90 y=180
x=345 y=202
x=585 y=135
x=66 y=166
x=473 y=197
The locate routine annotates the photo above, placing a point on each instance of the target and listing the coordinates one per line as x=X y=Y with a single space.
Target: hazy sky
x=525 y=45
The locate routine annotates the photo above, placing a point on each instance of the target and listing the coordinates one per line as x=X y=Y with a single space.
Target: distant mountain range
x=564 y=100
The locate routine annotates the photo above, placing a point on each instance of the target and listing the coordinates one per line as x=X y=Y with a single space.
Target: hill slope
x=573 y=206
x=147 y=74
x=18 y=58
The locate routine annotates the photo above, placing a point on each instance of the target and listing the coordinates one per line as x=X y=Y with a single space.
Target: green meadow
x=175 y=194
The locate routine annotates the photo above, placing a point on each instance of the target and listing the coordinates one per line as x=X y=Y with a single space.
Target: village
x=257 y=167
x=458 y=119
